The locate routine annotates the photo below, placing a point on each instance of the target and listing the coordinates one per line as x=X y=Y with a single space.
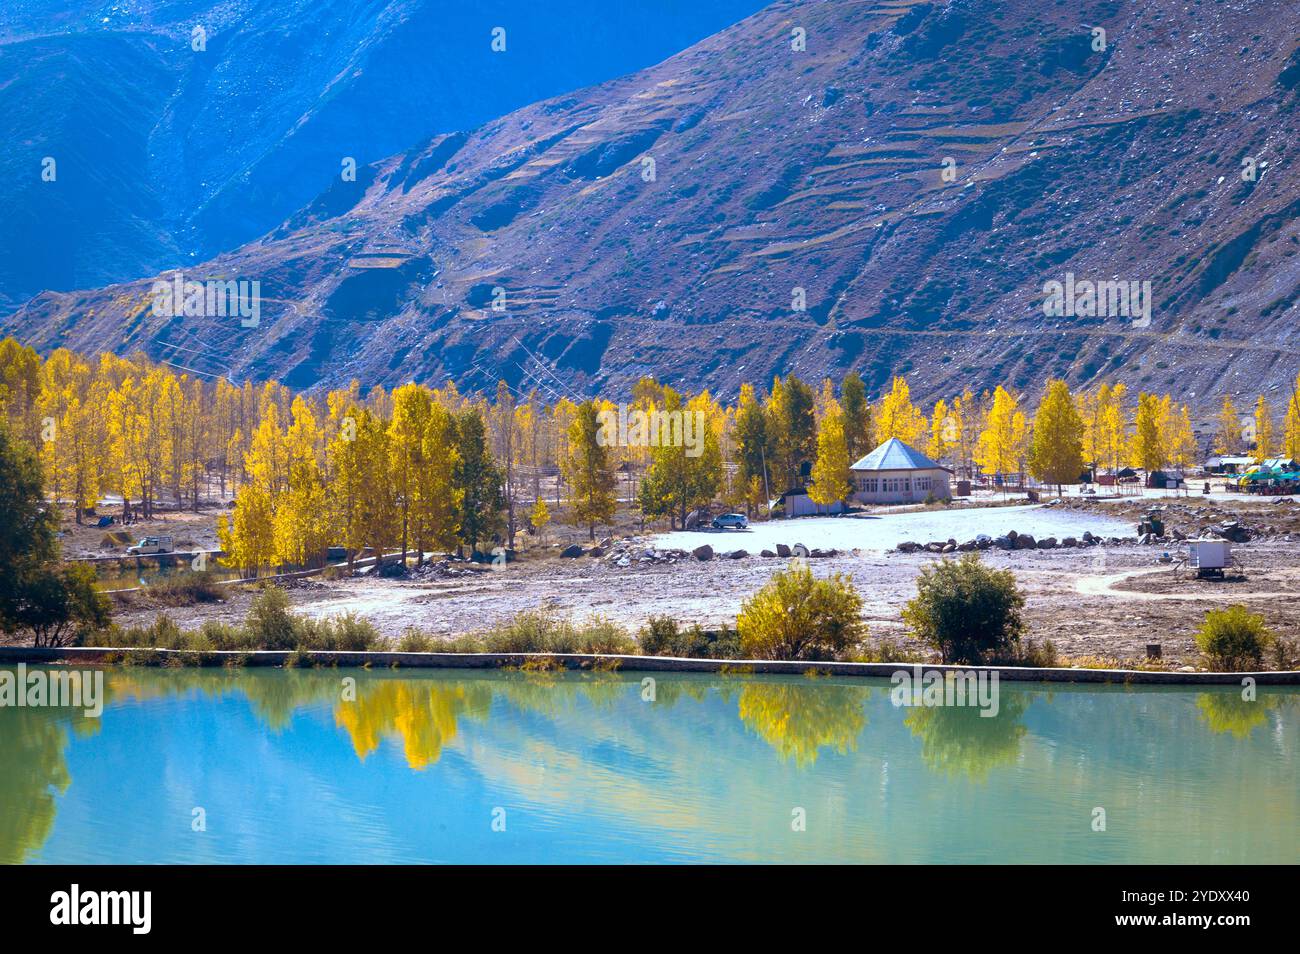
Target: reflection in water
x=33 y=745
x=550 y=693
x=958 y=740
x=799 y=719
x=601 y=766
x=422 y=714
x=1227 y=712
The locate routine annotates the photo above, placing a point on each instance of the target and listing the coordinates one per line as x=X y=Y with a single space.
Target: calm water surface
x=288 y=767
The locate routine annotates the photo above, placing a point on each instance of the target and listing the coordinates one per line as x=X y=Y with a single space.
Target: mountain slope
x=776 y=170
x=167 y=155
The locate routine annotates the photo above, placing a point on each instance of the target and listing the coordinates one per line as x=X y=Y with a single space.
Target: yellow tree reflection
x=423 y=714
x=1228 y=712
x=799 y=719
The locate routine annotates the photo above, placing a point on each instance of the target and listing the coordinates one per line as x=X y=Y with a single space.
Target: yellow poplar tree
x=1002 y=440
x=897 y=416
x=1145 y=450
x=830 y=472
x=1227 y=434
x=1291 y=427
x=1263 y=429
x=1057 y=453
x=589 y=470
x=1180 y=444
x=943 y=430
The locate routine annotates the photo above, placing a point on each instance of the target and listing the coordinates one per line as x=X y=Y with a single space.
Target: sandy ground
x=1106 y=601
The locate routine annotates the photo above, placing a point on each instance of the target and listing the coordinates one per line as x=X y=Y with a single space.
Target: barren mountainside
x=172 y=147
x=663 y=223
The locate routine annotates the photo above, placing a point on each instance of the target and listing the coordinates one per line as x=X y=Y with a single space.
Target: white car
x=731 y=521
x=151 y=545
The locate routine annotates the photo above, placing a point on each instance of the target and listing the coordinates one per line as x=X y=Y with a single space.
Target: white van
x=152 y=545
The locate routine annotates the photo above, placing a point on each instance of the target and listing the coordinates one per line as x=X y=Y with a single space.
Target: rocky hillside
x=666 y=222
x=167 y=154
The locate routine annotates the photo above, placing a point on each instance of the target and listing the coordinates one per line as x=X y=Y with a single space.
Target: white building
x=897 y=473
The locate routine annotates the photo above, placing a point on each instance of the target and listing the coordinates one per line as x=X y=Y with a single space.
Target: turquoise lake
x=301 y=766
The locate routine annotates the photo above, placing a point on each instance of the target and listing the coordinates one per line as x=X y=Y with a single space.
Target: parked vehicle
x=151 y=545
x=731 y=521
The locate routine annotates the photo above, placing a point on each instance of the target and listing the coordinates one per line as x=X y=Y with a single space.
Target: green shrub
x=796 y=616
x=269 y=622
x=225 y=637
x=414 y=641
x=967 y=611
x=535 y=631
x=184 y=589
x=349 y=633
x=1234 y=639
x=662 y=636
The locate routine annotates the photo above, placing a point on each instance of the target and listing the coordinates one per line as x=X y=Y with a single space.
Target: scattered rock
x=574 y=550
x=704 y=552
x=799 y=550
x=782 y=550
x=768 y=553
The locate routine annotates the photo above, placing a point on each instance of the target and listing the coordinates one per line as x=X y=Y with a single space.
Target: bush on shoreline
x=1234 y=639
x=797 y=616
x=968 y=611
x=185 y=589
x=663 y=636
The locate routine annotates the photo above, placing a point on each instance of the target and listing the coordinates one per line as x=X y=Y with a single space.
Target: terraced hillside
x=171 y=147
x=916 y=175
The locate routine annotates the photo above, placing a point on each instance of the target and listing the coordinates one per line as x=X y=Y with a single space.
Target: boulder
x=596 y=552
x=573 y=550
x=738 y=554
x=704 y=552
x=948 y=548
x=782 y=550
x=908 y=546
x=934 y=546
x=1024 y=541
x=1069 y=542
x=1047 y=543
x=1005 y=543
x=768 y=553
x=799 y=550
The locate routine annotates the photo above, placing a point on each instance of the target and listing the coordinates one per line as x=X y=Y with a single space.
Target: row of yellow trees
x=419 y=468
